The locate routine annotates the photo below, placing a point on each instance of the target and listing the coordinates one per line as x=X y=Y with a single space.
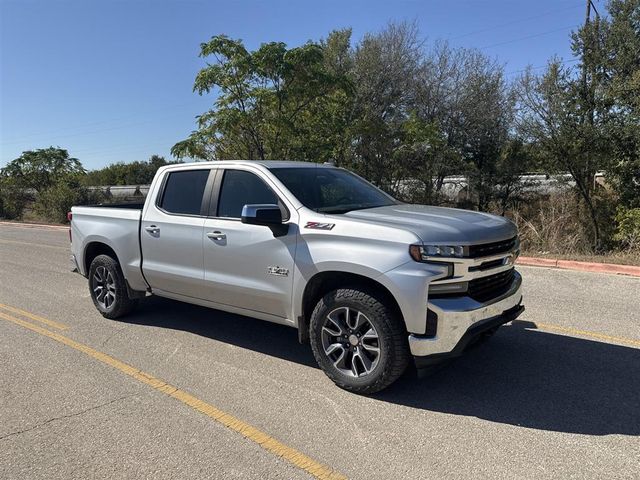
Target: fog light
x=447 y=288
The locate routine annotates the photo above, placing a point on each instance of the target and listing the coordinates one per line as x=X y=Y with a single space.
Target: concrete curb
x=581 y=266
x=34 y=225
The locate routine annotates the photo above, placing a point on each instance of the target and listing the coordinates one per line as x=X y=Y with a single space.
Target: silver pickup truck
x=370 y=282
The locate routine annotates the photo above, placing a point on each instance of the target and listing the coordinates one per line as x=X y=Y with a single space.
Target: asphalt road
x=555 y=395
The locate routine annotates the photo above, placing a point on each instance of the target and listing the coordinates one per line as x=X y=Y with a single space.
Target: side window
x=183 y=192
x=240 y=188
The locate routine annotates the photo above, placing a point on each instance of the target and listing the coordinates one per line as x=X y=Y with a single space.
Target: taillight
x=69 y=217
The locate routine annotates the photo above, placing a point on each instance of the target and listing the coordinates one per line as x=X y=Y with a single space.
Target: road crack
x=117 y=332
x=64 y=417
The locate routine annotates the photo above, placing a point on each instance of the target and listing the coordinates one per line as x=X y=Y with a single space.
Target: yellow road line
x=267 y=442
x=37 y=318
x=14 y=242
x=587 y=333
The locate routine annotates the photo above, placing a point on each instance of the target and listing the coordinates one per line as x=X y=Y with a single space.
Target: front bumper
x=461 y=319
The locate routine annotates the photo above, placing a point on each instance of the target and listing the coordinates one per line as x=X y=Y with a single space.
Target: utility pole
x=587 y=19
x=588 y=68
x=588 y=77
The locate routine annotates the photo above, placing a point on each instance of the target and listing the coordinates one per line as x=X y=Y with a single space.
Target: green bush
x=57 y=200
x=13 y=200
x=628 y=227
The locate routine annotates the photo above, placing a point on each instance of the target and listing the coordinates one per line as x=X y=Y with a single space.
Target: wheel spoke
x=332 y=329
x=333 y=347
x=371 y=348
x=361 y=359
x=333 y=350
x=101 y=295
x=338 y=320
x=369 y=341
x=355 y=322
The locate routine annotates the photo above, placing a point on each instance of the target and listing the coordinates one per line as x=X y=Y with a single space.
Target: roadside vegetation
x=406 y=114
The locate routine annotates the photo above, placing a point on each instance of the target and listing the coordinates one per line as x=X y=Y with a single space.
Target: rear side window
x=183 y=192
x=240 y=188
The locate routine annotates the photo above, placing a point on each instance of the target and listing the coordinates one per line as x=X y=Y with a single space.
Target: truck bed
x=114 y=225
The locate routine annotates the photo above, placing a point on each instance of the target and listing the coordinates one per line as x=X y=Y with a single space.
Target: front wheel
x=358 y=341
x=108 y=288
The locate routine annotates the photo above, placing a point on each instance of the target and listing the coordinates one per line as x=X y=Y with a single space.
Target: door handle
x=217 y=235
x=152 y=229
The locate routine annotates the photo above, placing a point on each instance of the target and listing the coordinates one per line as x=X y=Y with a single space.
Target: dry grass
x=558 y=227
x=553 y=225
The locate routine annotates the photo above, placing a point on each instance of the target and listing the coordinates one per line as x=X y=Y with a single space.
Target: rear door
x=171 y=232
x=247 y=266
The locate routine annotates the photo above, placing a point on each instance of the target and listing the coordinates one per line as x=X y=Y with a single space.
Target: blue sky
x=112 y=80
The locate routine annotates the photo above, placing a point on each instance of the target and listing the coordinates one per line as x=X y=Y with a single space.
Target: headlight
x=420 y=253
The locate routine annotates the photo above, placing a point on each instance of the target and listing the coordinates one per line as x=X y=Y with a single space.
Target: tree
x=134 y=173
x=587 y=120
x=513 y=162
x=556 y=118
x=482 y=118
x=385 y=65
x=420 y=159
x=33 y=173
x=40 y=169
x=265 y=99
x=620 y=46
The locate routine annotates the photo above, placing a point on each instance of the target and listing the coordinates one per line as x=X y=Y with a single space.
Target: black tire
x=103 y=270
x=391 y=340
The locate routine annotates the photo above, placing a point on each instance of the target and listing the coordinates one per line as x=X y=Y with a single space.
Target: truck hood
x=441 y=225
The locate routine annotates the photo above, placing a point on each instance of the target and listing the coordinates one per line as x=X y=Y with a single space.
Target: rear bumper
x=74 y=264
x=462 y=319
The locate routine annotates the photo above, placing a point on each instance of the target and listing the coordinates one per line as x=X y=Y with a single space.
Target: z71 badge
x=320 y=226
x=278 y=271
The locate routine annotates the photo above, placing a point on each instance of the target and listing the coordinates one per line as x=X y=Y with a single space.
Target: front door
x=247 y=266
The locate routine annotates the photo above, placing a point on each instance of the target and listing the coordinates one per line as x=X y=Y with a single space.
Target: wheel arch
x=324 y=282
x=95 y=248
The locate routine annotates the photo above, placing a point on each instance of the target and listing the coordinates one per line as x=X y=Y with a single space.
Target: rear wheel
x=108 y=288
x=358 y=341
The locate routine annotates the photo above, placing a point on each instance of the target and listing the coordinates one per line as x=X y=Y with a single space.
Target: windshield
x=331 y=190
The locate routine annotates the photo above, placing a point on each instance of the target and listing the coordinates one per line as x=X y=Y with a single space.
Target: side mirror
x=262 y=214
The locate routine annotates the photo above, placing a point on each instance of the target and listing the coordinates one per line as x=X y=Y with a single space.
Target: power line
x=488 y=29
x=538 y=67
x=528 y=37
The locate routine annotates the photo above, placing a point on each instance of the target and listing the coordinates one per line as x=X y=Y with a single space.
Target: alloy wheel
x=104 y=287
x=351 y=342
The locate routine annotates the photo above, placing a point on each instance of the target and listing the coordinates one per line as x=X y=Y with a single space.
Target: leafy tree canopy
x=134 y=173
x=265 y=98
x=42 y=168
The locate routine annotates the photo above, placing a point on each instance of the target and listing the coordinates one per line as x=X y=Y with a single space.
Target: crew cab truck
x=370 y=282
